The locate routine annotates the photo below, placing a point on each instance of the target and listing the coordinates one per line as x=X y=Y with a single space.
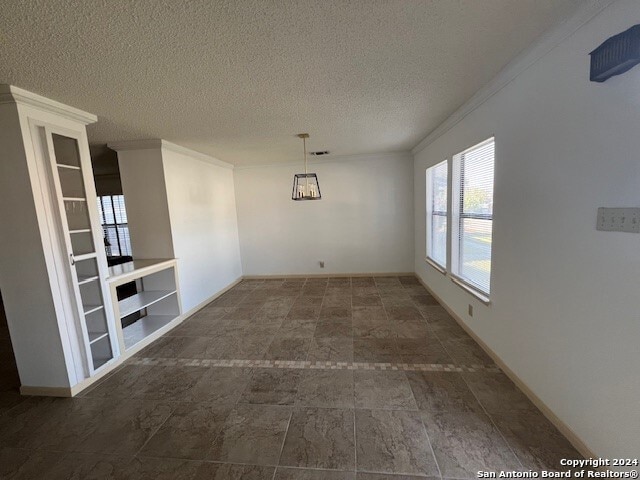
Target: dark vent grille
x=616 y=55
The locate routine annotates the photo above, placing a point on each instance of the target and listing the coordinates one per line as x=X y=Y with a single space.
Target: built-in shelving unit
x=157 y=299
x=63 y=329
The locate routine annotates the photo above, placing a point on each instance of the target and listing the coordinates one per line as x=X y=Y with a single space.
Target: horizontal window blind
x=475 y=215
x=437 y=183
x=113 y=218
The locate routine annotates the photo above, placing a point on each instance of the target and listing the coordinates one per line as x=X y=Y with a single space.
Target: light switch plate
x=619 y=220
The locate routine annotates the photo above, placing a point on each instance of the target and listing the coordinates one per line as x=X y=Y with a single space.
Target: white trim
x=158 y=143
x=402 y=155
x=11 y=94
x=327 y=275
x=428 y=247
x=435 y=265
x=470 y=289
x=531 y=55
x=46 y=391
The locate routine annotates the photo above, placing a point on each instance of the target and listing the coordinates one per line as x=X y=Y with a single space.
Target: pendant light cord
x=304 y=145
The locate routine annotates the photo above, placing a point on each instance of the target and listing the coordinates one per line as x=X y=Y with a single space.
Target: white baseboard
x=328 y=275
x=573 y=438
x=46 y=391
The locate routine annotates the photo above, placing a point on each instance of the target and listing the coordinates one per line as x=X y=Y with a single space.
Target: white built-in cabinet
x=53 y=266
x=63 y=311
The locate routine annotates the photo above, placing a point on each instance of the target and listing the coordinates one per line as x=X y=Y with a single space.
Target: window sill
x=469 y=289
x=435 y=265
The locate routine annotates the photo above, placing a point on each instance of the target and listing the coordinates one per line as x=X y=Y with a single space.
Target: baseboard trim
x=117 y=363
x=46 y=391
x=329 y=275
x=573 y=438
x=206 y=302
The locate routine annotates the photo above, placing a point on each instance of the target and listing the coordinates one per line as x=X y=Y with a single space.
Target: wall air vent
x=319 y=153
x=616 y=55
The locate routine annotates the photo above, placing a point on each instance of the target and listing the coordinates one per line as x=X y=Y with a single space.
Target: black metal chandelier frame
x=305 y=185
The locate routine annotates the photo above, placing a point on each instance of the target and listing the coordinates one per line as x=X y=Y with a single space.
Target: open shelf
x=144 y=327
x=142 y=300
x=158 y=299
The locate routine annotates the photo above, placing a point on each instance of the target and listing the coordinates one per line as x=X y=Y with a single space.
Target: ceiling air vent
x=319 y=153
x=616 y=55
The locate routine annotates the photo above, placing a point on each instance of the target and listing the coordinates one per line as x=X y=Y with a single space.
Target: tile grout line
x=507 y=443
x=353 y=385
x=315 y=324
x=173 y=407
x=424 y=428
x=490 y=417
x=284 y=439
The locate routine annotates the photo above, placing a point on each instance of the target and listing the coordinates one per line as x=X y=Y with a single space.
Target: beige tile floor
x=361 y=378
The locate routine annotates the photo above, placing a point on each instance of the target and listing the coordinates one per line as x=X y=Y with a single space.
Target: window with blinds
x=113 y=218
x=472 y=215
x=437 y=180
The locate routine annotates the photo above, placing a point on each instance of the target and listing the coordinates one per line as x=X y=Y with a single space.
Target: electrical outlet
x=619 y=220
x=321 y=262
x=471 y=310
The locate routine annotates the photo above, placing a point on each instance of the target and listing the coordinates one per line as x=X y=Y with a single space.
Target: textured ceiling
x=238 y=78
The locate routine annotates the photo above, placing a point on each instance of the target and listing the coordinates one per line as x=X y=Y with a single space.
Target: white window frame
x=429 y=217
x=456 y=223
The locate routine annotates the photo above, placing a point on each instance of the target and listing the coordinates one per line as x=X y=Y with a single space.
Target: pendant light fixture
x=305 y=185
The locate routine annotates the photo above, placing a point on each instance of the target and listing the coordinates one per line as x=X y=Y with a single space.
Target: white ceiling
x=238 y=78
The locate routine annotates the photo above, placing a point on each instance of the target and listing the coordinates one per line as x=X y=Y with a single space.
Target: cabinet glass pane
x=82 y=243
x=77 y=215
x=71 y=182
x=91 y=295
x=101 y=352
x=96 y=325
x=87 y=269
x=66 y=150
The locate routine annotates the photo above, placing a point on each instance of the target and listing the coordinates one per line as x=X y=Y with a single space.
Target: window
x=113 y=218
x=472 y=215
x=437 y=178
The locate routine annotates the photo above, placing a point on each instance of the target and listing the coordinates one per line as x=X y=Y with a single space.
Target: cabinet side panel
x=24 y=279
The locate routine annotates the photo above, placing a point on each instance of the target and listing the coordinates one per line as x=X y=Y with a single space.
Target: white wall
x=564 y=313
x=144 y=189
x=181 y=204
x=204 y=226
x=362 y=224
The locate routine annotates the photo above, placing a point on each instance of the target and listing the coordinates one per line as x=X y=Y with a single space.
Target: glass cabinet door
x=83 y=246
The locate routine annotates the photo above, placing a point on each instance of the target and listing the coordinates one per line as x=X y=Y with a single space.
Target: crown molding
x=11 y=94
x=528 y=57
x=159 y=144
x=333 y=159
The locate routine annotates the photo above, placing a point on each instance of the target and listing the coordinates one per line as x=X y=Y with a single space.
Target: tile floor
x=361 y=378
